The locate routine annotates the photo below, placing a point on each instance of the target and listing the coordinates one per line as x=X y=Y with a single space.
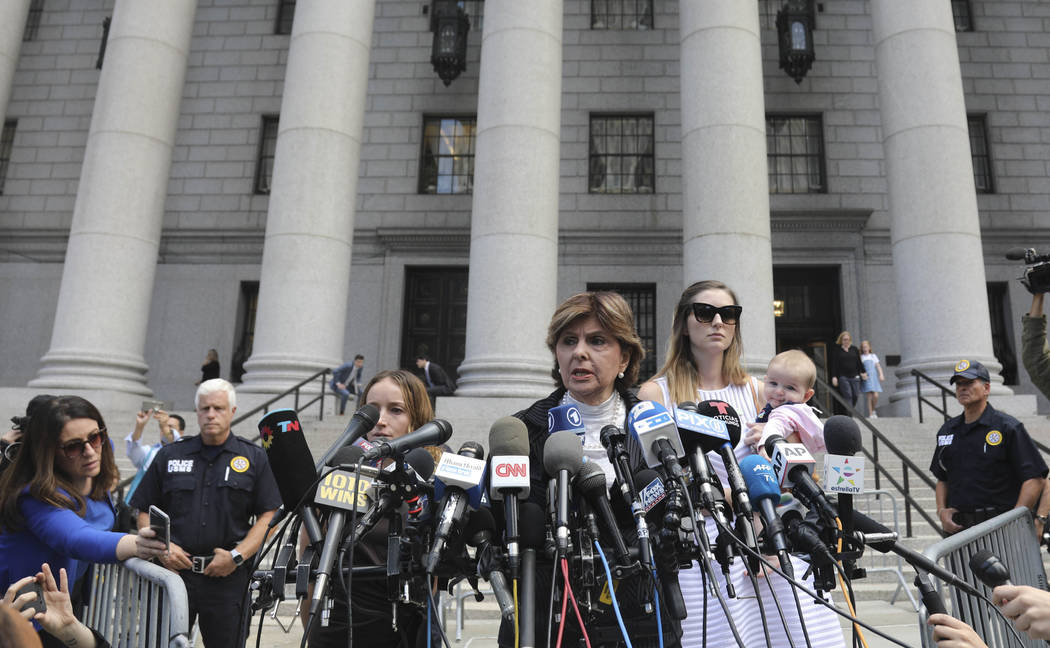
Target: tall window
x=982 y=158
x=7 y=142
x=285 y=13
x=795 y=152
x=622 y=14
x=621 y=154
x=475 y=11
x=36 y=10
x=447 y=162
x=642 y=299
x=962 y=14
x=267 y=152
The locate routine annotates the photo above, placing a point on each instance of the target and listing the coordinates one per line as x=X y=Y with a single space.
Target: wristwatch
x=1043 y=518
x=238 y=559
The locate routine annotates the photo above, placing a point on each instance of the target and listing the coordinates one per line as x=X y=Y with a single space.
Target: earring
x=619 y=375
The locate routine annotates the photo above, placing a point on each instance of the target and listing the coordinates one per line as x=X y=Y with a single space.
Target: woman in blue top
x=55 y=503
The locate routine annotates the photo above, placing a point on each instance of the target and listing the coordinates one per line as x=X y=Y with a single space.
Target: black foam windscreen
x=479 y=521
x=289 y=455
x=590 y=479
x=562 y=451
x=508 y=436
x=472 y=449
x=345 y=455
x=989 y=569
x=421 y=461
x=842 y=435
x=722 y=411
x=532 y=525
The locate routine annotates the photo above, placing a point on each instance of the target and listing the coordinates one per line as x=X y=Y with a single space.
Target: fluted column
x=100 y=325
x=725 y=215
x=514 y=220
x=935 y=231
x=13 y=14
x=303 y=289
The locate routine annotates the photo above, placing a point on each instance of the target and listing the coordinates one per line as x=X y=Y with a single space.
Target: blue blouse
x=59 y=537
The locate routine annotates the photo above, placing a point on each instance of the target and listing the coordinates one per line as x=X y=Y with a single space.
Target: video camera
x=1036 y=277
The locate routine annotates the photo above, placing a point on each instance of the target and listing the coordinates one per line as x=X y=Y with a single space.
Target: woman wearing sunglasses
x=55 y=500
x=704 y=363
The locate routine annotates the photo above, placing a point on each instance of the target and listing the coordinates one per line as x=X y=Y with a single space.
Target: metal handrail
x=1045 y=449
x=294 y=389
x=943 y=409
x=908 y=465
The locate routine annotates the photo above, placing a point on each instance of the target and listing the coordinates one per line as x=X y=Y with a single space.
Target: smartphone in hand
x=161 y=525
x=37 y=604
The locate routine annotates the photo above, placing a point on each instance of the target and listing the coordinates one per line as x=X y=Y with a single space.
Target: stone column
x=13 y=14
x=514 y=220
x=725 y=214
x=107 y=282
x=935 y=231
x=303 y=289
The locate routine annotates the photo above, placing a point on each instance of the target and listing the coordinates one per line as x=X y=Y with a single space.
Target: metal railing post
x=875 y=454
x=907 y=504
x=324 y=382
x=918 y=395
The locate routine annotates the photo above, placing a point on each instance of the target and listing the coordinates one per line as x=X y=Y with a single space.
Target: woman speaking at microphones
x=597 y=355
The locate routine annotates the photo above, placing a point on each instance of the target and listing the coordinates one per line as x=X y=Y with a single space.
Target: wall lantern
x=450 y=25
x=795 y=23
x=778 y=308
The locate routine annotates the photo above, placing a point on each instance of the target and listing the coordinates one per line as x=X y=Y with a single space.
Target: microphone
x=700 y=435
x=434 y=433
x=805 y=537
x=562 y=458
x=480 y=529
x=509 y=478
x=843 y=472
x=1019 y=254
x=765 y=491
x=868 y=526
x=565 y=417
x=657 y=434
x=615 y=442
x=651 y=500
x=591 y=483
x=341 y=491
x=461 y=475
x=404 y=481
x=991 y=571
x=291 y=463
x=724 y=412
x=792 y=464
x=361 y=423
x=532 y=540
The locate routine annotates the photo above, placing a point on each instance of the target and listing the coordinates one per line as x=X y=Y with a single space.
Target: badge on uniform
x=993 y=438
x=239 y=463
x=945 y=439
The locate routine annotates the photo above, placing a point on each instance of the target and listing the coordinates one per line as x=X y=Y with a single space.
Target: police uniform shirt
x=211 y=493
x=985 y=462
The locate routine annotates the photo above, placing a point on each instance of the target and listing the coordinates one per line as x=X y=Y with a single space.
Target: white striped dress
x=821 y=624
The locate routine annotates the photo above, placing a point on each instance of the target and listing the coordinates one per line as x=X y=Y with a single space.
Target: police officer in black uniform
x=985 y=462
x=212 y=486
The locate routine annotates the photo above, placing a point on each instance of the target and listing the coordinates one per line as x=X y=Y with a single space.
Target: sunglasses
x=74 y=449
x=706 y=313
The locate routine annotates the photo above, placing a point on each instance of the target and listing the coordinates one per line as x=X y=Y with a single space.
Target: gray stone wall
x=214 y=221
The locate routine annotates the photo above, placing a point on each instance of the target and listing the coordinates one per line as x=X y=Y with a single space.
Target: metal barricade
x=1011 y=537
x=881 y=506
x=138 y=604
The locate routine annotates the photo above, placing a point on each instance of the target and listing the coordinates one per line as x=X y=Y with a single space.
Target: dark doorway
x=246 y=307
x=435 y=316
x=999 y=314
x=810 y=305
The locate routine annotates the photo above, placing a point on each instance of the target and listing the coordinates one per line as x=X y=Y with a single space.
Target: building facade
x=292 y=184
